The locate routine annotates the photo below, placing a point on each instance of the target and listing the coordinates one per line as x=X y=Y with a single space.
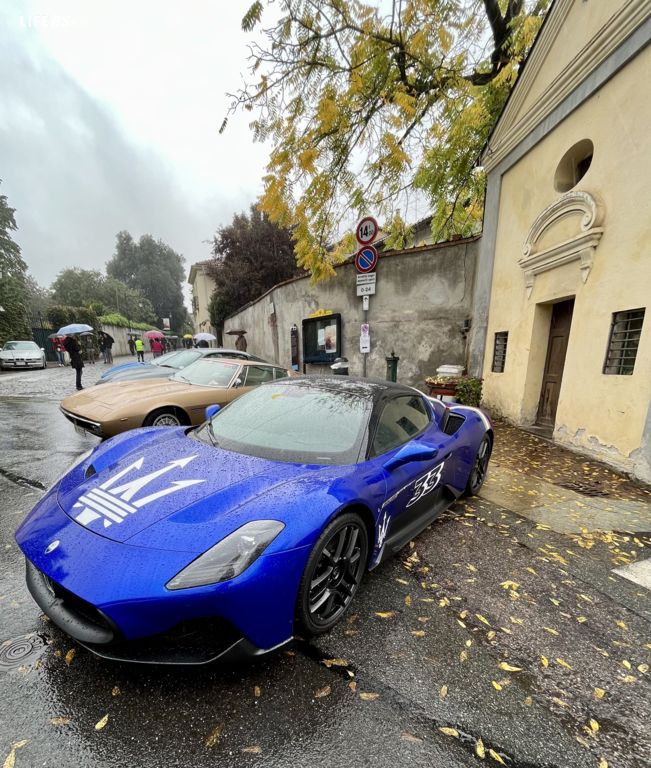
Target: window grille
x=499 y=351
x=625 y=332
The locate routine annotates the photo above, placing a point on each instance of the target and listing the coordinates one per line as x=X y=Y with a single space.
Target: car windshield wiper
x=178 y=377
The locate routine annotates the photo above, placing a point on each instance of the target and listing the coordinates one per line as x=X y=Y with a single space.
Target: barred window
x=625 y=332
x=499 y=351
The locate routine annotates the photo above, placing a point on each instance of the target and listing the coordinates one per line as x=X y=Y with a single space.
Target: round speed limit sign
x=367 y=230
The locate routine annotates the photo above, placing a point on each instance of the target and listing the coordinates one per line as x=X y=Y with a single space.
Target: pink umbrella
x=154 y=334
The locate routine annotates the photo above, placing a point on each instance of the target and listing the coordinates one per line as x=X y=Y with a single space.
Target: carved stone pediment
x=567 y=230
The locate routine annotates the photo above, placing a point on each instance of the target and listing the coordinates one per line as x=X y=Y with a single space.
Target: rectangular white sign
x=366 y=284
x=365 y=338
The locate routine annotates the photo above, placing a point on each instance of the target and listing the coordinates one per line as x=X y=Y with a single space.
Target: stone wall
x=423 y=297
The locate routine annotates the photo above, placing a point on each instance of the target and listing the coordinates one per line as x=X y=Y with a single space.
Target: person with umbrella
x=72 y=348
x=60 y=350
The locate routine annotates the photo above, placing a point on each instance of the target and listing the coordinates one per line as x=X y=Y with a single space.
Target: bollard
x=392 y=367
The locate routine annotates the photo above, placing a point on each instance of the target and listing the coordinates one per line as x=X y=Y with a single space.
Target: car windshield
x=208 y=373
x=19 y=345
x=297 y=422
x=178 y=359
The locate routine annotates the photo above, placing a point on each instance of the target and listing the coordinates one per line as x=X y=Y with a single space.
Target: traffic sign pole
x=365 y=262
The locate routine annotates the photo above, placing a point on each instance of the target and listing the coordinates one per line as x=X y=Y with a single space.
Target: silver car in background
x=22 y=354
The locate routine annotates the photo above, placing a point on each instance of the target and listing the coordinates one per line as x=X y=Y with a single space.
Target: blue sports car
x=184 y=545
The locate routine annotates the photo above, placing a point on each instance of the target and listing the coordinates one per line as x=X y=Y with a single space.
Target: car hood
x=155 y=481
x=117 y=394
x=23 y=354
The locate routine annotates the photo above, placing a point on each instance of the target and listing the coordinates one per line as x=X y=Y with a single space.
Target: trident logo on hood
x=114 y=504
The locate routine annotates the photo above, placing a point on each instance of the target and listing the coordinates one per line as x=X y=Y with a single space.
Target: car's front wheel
x=479 y=467
x=165 y=417
x=332 y=575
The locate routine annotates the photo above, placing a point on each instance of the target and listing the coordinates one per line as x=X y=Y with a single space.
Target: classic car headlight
x=230 y=557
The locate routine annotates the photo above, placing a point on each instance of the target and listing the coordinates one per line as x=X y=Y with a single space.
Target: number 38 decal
x=426 y=484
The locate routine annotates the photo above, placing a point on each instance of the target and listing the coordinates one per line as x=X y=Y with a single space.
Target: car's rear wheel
x=479 y=467
x=332 y=575
x=165 y=417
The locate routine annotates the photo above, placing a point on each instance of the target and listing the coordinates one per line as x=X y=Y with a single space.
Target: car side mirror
x=411 y=452
x=237 y=383
x=42 y=349
x=211 y=410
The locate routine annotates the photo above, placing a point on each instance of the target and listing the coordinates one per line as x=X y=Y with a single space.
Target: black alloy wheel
x=333 y=573
x=479 y=467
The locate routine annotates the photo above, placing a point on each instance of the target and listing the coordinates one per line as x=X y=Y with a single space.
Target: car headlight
x=230 y=557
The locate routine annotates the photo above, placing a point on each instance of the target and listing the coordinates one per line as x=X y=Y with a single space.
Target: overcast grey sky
x=109 y=118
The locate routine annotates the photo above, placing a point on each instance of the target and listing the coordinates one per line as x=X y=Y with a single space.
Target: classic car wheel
x=479 y=467
x=163 y=418
x=332 y=575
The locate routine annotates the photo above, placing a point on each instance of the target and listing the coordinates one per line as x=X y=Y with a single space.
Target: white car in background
x=22 y=354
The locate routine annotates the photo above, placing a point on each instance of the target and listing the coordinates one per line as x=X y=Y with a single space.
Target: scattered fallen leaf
x=463 y=656
x=594 y=725
x=418 y=633
x=491 y=635
x=603 y=763
x=480 y=749
x=115 y=691
x=444 y=691
x=385 y=614
x=528 y=701
x=214 y=735
x=560 y=702
x=643 y=668
x=496 y=685
x=325 y=691
x=405 y=736
x=449 y=731
x=10 y=760
x=335 y=663
x=352 y=686
x=551 y=631
x=443 y=602
x=408 y=600
x=626 y=664
x=508 y=668
x=563 y=663
x=60 y=720
x=509 y=584
x=257 y=691
x=544 y=661
x=531 y=570
x=581 y=619
x=629 y=679
x=254 y=750
x=621 y=625
x=483 y=619
x=70 y=656
x=496 y=757
x=599 y=693
x=101 y=723
x=365 y=696
x=515 y=620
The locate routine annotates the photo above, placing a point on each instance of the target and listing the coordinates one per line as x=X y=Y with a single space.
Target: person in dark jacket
x=76 y=362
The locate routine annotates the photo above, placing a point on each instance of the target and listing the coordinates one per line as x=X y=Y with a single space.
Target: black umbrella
x=108 y=336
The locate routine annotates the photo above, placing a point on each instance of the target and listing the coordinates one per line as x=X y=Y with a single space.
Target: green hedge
x=121 y=322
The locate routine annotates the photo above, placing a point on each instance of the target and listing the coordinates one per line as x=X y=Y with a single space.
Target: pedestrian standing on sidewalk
x=132 y=346
x=156 y=347
x=140 y=350
x=72 y=348
x=60 y=350
x=108 y=342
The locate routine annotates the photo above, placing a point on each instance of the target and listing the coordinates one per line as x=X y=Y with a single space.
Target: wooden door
x=559 y=333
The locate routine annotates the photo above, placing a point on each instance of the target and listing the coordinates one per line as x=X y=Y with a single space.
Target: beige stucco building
x=565 y=261
x=202 y=289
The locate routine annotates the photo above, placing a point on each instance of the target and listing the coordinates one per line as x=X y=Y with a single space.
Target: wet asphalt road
x=492 y=640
